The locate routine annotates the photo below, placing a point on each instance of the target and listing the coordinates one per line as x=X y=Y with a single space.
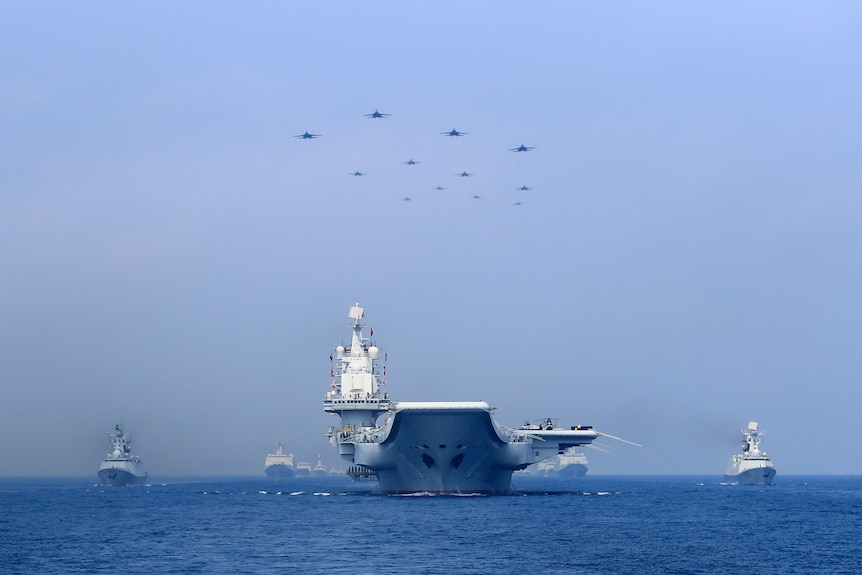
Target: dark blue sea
x=594 y=525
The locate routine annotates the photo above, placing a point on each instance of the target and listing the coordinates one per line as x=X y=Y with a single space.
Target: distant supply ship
x=319 y=468
x=752 y=466
x=120 y=467
x=278 y=464
x=572 y=463
x=303 y=469
x=435 y=447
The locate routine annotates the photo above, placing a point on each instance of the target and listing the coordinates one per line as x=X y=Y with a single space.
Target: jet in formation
x=357 y=173
x=477 y=197
x=524 y=188
x=376 y=114
x=411 y=162
x=405 y=199
x=439 y=188
x=464 y=174
x=454 y=133
x=517 y=203
x=307 y=136
x=522 y=148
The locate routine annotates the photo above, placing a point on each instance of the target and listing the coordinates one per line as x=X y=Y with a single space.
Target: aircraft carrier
x=434 y=447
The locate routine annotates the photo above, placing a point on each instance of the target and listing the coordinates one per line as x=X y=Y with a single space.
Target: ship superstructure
x=437 y=447
x=752 y=466
x=278 y=464
x=120 y=466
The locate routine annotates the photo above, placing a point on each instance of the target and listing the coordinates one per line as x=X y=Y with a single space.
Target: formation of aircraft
x=376 y=114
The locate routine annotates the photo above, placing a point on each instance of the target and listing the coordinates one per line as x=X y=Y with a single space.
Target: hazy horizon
x=175 y=260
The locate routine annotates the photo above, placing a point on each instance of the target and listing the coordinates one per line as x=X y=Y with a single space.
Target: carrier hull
x=455 y=448
x=443 y=451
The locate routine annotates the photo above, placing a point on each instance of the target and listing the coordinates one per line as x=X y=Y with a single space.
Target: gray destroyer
x=120 y=466
x=434 y=447
x=752 y=466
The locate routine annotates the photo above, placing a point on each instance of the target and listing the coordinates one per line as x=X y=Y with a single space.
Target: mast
x=751 y=438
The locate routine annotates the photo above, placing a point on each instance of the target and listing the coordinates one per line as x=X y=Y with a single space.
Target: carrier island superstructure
x=434 y=446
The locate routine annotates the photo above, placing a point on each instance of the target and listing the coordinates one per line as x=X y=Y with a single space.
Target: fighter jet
x=477 y=197
x=307 y=136
x=464 y=174
x=376 y=114
x=439 y=188
x=357 y=173
x=405 y=199
x=522 y=148
x=524 y=188
x=517 y=203
x=411 y=162
x=454 y=133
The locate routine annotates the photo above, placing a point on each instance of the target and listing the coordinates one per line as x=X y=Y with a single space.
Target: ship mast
x=751 y=440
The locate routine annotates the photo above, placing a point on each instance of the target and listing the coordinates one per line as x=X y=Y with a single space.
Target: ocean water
x=594 y=525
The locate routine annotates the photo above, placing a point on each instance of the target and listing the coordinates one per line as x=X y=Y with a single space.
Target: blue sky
x=175 y=260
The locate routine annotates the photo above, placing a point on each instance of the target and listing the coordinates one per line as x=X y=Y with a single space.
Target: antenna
x=356 y=313
x=618 y=439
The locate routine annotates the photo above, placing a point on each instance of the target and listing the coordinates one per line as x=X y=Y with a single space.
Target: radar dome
x=339 y=351
x=373 y=352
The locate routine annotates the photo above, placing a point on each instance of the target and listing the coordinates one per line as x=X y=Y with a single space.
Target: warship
x=572 y=463
x=278 y=464
x=430 y=446
x=752 y=466
x=319 y=468
x=303 y=469
x=120 y=467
